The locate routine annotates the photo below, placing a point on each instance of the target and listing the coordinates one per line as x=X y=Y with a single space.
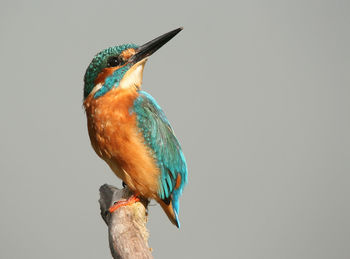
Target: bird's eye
x=113 y=61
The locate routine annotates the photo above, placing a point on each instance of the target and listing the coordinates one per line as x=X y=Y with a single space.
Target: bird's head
x=121 y=66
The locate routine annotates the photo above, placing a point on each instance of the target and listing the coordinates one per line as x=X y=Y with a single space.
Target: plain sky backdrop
x=258 y=93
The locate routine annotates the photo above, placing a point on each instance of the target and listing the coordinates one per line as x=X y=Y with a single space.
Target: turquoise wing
x=159 y=136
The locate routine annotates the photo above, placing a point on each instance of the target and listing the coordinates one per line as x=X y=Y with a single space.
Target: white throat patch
x=133 y=77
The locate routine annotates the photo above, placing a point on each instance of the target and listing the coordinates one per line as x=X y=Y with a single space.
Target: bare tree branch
x=128 y=235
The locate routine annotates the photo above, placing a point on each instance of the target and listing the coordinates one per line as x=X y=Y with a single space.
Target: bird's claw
x=118 y=204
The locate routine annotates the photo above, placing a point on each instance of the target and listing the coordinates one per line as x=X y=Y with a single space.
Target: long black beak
x=152 y=46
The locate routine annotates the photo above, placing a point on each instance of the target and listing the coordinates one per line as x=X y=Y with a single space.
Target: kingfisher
x=129 y=130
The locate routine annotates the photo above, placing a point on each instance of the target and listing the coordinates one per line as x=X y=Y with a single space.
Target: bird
x=129 y=130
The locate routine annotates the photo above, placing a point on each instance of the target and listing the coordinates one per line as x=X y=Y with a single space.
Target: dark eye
x=113 y=61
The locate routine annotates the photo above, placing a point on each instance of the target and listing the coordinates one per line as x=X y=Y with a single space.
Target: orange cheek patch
x=106 y=72
x=126 y=54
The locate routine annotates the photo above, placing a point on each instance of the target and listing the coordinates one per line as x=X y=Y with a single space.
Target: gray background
x=257 y=92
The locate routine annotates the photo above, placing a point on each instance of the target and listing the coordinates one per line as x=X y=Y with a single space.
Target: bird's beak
x=152 y=46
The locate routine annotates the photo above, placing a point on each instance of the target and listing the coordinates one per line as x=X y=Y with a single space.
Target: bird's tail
x=171 y=210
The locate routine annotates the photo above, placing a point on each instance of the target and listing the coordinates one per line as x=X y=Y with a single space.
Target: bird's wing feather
x=159 y=137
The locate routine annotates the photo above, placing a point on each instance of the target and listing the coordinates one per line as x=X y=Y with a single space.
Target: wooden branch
x=127 y=232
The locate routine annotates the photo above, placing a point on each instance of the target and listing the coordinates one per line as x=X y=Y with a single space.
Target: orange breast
x=116 y=139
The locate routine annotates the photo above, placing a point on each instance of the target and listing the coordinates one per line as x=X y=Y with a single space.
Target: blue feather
x=159 y=137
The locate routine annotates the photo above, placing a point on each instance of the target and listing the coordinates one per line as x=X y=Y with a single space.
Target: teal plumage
x=160 y=138
x=112 y=81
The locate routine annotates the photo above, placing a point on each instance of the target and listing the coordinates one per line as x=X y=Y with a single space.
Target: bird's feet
x=134 y=198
